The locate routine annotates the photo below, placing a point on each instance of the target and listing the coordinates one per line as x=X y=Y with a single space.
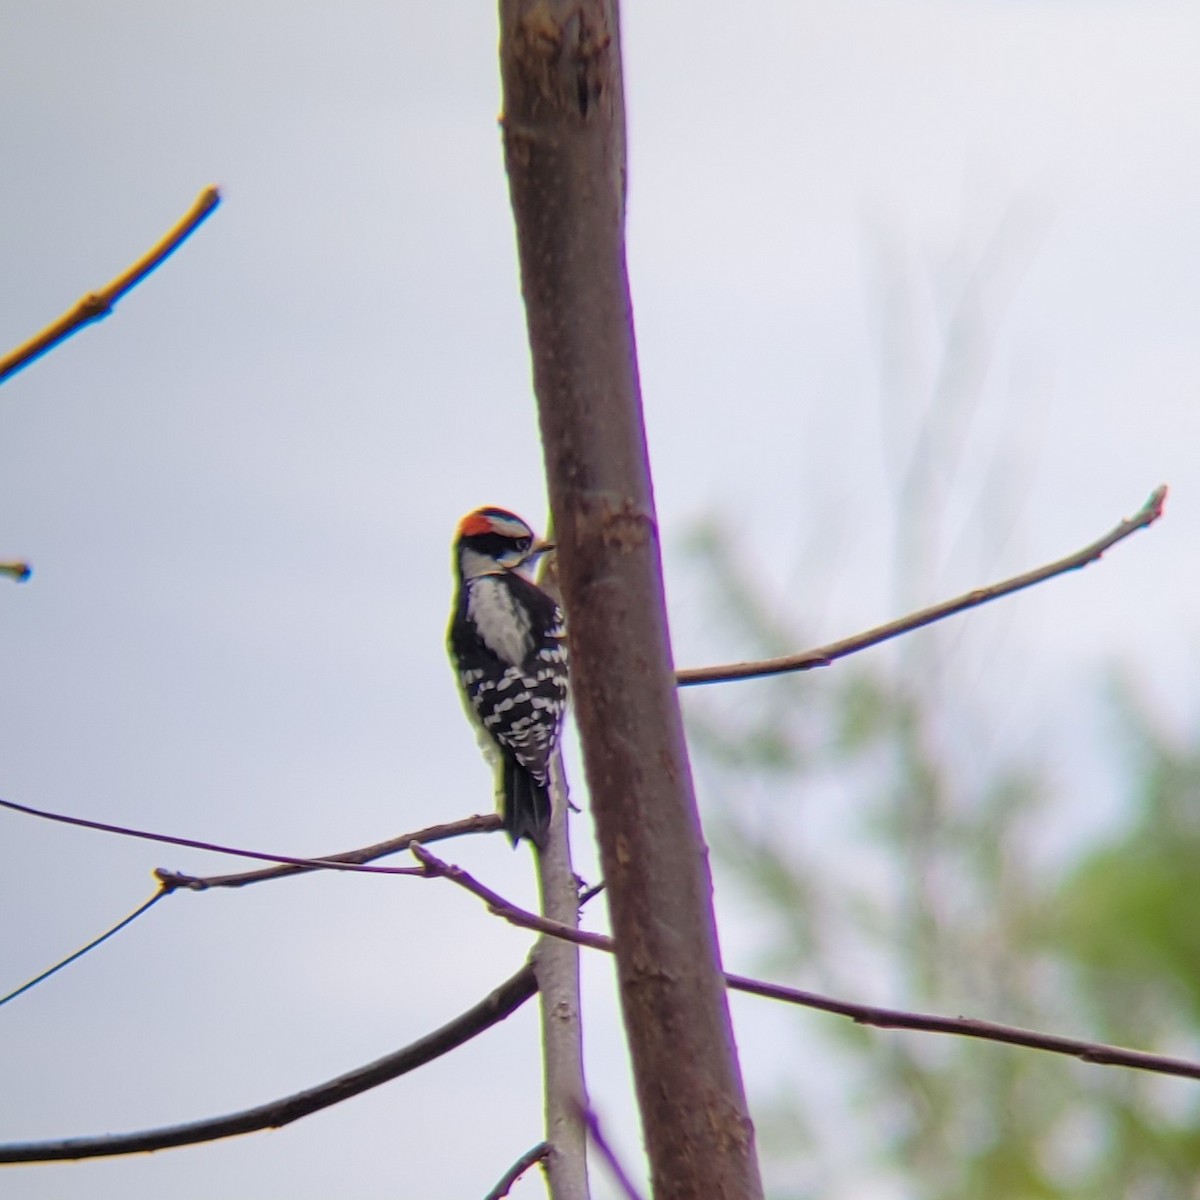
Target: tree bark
x=557 y=965
x=564 y=140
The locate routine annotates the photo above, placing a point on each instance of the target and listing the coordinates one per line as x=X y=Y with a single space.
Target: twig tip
x=1153 y=508
x=18 y=572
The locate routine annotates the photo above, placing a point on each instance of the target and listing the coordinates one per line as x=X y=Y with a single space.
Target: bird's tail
x=526 y=804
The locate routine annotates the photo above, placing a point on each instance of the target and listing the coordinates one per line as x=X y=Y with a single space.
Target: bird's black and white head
x=491 y=541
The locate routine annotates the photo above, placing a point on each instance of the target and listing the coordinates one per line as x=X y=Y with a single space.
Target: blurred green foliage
x=886 y=858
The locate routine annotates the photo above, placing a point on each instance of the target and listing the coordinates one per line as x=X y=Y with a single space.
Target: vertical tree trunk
x=557 y=966
x=564 y=140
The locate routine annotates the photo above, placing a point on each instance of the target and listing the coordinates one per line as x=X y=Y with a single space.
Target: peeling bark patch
x=536 y=50
x=540 y=33
x=518 y=144
x=626 y=529
x=564 y=52
x=624 y=857
x=592 y=63
x=669 y=766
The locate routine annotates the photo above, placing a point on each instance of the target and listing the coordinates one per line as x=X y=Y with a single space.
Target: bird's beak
x=515 y=563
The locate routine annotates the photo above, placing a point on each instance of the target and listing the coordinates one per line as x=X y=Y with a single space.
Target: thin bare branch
x=17 y=571
x=171 y=881
x=862 y=1014
x=528 y=1159
x=480 y=823
x=592 y=1122
x=501 y=1003
x=989 y=1031
x=309 y=864
x=66 y=962
x=825 y=655
x=99 y=304
x=436 y=868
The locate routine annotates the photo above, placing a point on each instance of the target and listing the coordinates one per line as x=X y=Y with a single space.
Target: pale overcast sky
x=238 y=492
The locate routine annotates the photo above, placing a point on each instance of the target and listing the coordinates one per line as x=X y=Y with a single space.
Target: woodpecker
x=508 y=645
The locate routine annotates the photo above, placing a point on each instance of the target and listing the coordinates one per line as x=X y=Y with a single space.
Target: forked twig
x=479 y=823
x=171 y=881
